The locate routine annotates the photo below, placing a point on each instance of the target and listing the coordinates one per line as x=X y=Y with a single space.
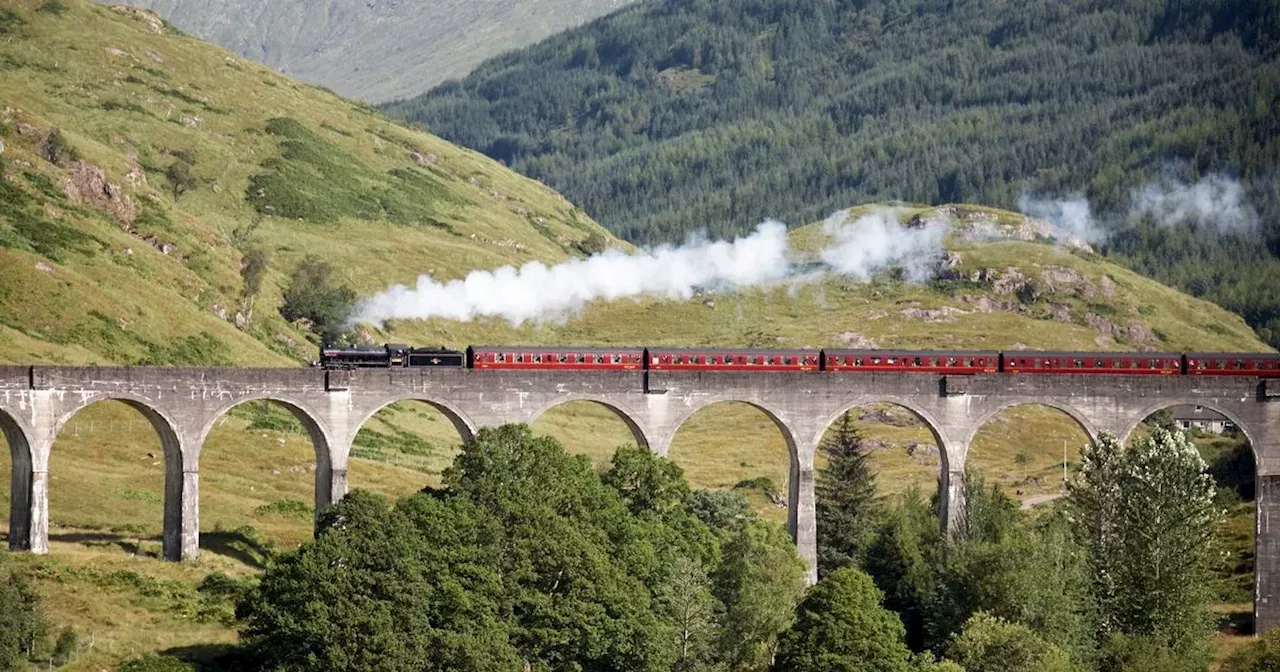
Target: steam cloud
x=1216 y=201
x=536 y=292
x=1072 y=216
x=878 y=241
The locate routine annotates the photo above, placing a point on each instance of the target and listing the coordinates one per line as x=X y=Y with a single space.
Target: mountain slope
x=103 y=260
x=379 y=49
x=677 y=116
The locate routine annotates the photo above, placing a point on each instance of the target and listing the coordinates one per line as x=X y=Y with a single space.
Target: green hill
x=669 y=117
x=102 y=263
x=375 y=50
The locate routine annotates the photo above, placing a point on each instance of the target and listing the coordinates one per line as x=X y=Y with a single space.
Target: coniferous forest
x=711 y=115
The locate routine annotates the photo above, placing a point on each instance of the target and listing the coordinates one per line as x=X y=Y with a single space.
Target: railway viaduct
x=184 y=403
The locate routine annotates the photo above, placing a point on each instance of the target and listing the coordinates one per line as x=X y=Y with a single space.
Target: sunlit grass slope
x=100 y=262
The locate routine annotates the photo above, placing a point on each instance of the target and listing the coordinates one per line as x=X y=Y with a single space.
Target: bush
x=58 y=150
x=1260 y=656
x=315 y=296
x=182 y=178
x=21 y=627
x=990 y=644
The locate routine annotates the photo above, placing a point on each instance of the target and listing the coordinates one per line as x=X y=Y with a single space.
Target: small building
x=1201 y=418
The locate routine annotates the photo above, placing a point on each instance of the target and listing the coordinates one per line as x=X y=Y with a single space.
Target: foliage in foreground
x=527 y=560
x=1117 y=579
x=842 y=627
x=1146 y=516
x=22 y=630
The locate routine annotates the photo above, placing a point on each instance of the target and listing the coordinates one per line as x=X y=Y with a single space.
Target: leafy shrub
x=1262 y=655
x=314 y=295
x=253 y=268
x=182 y=178
x=53 y=7
x=990 y=644
x=10 y=22
x=58 y=150
x=20 y=622
x=285 y=508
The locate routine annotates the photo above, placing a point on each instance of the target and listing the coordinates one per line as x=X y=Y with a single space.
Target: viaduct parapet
x=183 y=404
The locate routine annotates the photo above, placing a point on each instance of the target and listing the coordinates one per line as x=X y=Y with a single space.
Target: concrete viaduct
x=184 y=403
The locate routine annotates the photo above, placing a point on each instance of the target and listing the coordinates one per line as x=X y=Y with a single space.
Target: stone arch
x=20 y=463
x=627 y=418
x=788 y=434
x=1162 y=405
x=1085 y=424
x=465 y=425
x=930 y=421
x=310 y=419
x=329 y=481
x=177 y=461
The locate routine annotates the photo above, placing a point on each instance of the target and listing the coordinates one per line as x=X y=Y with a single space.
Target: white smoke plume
x=1072 y=216
x=878 y=241
x=1216 y=201
x=536 y=292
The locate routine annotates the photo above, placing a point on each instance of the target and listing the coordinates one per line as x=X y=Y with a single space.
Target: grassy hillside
x=102 y=262
x=376 y=51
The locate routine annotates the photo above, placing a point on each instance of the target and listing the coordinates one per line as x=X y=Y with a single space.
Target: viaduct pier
x=183 y=404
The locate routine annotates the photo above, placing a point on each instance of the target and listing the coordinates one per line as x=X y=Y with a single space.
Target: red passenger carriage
x=910 y=361
x=1130 y=363
x=545 y=357
x=720 y=359
x=1233 y=364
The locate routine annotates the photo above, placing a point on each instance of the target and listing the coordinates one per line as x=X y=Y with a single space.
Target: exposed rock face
x=1137 y=335
x=855 y=340
x=943 y=314
x=154 y=23
x=88 y=184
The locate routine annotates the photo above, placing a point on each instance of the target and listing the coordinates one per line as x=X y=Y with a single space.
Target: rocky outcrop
x=88 y=184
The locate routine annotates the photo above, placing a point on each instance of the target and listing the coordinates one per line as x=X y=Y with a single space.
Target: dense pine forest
x=683 y=115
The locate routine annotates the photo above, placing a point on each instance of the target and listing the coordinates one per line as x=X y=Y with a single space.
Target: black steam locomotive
x=385 y=356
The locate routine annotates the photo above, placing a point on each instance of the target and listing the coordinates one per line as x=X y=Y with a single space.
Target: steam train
x=527 y=357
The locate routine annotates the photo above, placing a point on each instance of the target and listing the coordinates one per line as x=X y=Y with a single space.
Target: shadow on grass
x=244 y=545
x=210 y=657
x=129 y=543
x=1236 y=623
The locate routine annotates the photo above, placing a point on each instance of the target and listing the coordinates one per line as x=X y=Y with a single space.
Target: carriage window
x=1079 y=363
x=537 y=359
x=582 y=359
x=918 y=362
x=891 y=360
x=498 y=357
x=1117 y=363
x=951 y=361
x=857 y=361
x=786 y=360
x=875 y=360
x=968 y=361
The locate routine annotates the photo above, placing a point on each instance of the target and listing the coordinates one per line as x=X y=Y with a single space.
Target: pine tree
x=846 y=500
